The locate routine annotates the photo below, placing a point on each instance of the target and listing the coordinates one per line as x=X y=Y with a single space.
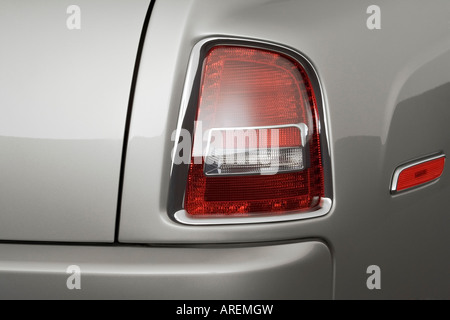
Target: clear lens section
x=256 y=161
x=262 y=150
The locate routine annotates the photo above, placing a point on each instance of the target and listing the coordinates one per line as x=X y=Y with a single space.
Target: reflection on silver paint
x=63 y=102
x=380 y=111
x=281 y=271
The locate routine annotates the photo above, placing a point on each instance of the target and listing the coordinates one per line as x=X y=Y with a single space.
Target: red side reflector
x=423 y=172
x=253 y=88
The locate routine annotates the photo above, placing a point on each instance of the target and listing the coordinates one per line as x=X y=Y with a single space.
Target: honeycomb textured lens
x=245 y=87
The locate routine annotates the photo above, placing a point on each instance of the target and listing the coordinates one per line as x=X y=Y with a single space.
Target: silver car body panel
x=280 y=271
x=387 y=94
x=63 y=103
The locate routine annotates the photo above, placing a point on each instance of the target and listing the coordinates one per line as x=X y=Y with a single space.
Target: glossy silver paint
x=387 y=93
x=63 y=102
x=28 y=272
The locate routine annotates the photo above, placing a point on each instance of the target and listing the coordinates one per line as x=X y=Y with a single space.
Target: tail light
x=257 y=150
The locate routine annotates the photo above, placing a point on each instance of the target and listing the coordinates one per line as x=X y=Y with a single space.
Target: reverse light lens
x=255 y=151
x=255 y=161
x=420 y=173
x=258 y=112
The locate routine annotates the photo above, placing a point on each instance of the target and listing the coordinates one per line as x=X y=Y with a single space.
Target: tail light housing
x=259 y=145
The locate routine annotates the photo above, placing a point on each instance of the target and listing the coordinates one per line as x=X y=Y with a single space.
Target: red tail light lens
x=419 y=173
x=257 y=147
